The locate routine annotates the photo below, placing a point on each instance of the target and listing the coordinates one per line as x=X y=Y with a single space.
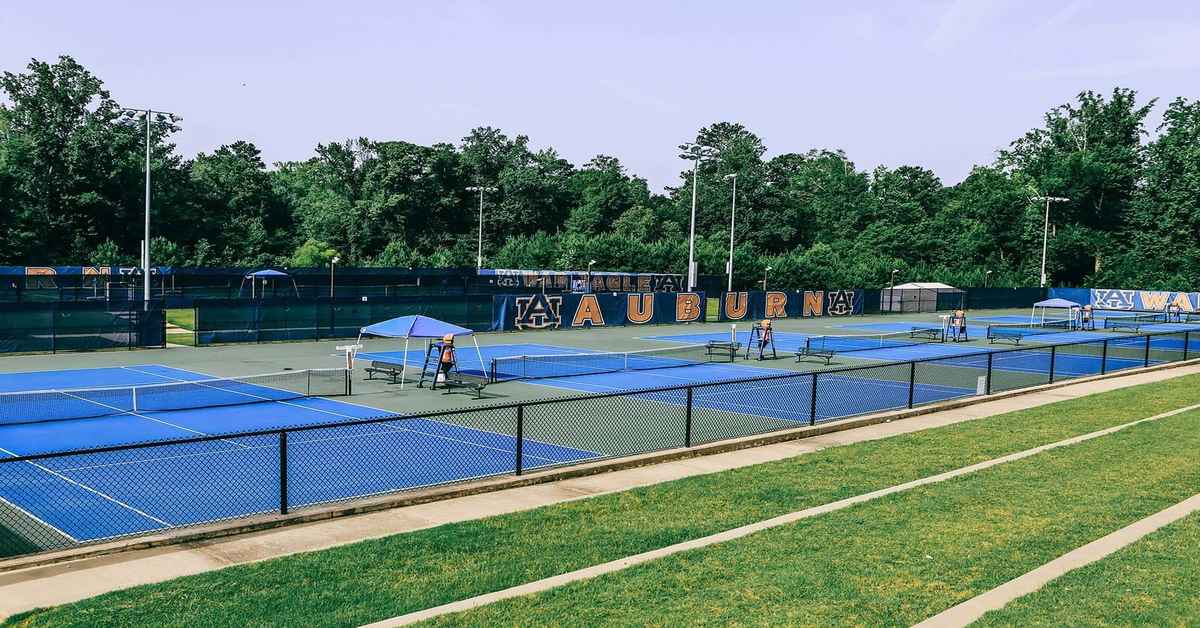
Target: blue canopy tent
x=265 y=276
x=417 y=326
x=1038 y=314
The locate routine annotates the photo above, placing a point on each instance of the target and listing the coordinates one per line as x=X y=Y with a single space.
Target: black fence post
x=1104 y=357
x=520 y=438
x=283 y=474
x=912 y=382
x=1147 y=359
x=812 y=398
x=987 y=386
x=687 y=424
x=1185 y=344
x=1053 y=356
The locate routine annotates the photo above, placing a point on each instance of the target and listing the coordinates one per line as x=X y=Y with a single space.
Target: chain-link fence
x=70 y=498
x=82 y=326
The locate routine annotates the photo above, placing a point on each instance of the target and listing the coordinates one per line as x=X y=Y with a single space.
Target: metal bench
x=391 y=369
x=725 y=349
x=808 y=352
x=465 y=381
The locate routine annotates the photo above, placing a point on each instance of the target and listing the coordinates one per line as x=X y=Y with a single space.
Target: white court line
x=89 y=489
x=299 y=442
x=405 y=429
x=37 y=518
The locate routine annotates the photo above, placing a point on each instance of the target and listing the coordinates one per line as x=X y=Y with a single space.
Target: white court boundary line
x=401 y=429
x=89 y=489
x=620 y=564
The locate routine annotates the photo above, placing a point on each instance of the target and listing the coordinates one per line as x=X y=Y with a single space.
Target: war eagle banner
x=1144 y=300
x=739 y=306
x=608 y=309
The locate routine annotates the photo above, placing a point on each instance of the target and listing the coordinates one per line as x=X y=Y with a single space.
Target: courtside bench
x=724 y=349
x=390 y=369
x=809 y=352
x=459 y=382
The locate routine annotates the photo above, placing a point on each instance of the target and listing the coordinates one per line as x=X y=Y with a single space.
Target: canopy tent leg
x=479 y=354
x=404 y=364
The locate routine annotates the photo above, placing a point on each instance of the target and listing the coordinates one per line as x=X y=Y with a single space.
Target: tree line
x=71 y=192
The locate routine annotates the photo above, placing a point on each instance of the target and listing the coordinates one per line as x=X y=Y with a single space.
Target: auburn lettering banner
x=608 y=309
x=739 y=306
x=1146 y=300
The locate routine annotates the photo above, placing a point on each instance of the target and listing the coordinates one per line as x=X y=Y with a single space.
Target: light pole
x=698 y=154
x=892 y=290
x=481 y=189
x=333 y=262
x=985 y=278
x=1046 y=227
x=765 y=271
x=146 y=235
x=589 y=276
x=732 y=215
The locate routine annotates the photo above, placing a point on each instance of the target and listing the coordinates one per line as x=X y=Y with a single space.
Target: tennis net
x=1019 y=330
x=864 y=342
x=567 y=364
x=1133 y=321
x=83 y=403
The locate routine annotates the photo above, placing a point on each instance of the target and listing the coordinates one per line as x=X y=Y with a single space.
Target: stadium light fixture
x=479 y=252
x=589 y=275
x=765 y=271
x=698 y=154
x=1046 y=227
x=892 y=290
x=333 y=262
x=732 y=215
x=985 y=278
x=148 y=113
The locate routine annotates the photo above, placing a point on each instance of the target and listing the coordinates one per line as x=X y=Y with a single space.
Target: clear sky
x=938 y=84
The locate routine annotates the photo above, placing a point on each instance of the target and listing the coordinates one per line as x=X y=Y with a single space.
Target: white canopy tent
x=266 y=276
x=418 y=326
x=1042 y=308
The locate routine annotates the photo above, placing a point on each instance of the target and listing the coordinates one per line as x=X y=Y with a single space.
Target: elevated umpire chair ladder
x=755 y=336
x=434 y=355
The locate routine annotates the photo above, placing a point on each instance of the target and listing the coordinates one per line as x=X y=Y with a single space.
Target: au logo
x=1113 y=299
x=538 y=311
x=840 y=302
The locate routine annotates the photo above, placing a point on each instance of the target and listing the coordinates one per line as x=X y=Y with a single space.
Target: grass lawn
x=182 y=317
x=1153 y=582
x=379 y=578
x=899 y=559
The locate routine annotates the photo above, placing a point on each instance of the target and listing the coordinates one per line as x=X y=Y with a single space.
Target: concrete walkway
x=54 y=584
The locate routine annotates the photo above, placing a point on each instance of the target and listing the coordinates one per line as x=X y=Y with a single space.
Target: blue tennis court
x=88 y=497
x=468 y=359
x=788 y=343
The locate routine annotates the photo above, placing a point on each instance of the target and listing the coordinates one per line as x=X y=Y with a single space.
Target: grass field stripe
x=995 y=599
x=90 y=489
x=620 y=564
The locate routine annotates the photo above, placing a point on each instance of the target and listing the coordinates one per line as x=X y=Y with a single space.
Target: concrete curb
x=995 y=599
x=440 y=493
